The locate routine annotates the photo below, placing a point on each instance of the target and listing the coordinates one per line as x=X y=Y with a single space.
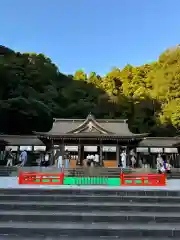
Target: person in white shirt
x=123 y=159
x=168 y=167
x=60 y=162
x=88 y=160
x=46 y=160
x=96 y=159
x=92 y=160
x=58 y=159
x=160 y=164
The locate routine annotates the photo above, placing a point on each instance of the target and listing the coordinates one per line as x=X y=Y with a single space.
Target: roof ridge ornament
x=90 y=116
x=90 y=126
x=90 y=123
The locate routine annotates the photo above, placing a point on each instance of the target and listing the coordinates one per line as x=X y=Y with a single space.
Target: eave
x=91 y=136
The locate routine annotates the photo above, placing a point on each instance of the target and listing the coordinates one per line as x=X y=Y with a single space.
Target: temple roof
x=160 y=142
x=20 y=140
x=91 y=127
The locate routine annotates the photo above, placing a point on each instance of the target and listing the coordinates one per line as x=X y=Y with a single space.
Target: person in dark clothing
x=9 y=157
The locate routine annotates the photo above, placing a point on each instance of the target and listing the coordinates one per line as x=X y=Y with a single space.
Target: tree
x=80 y=75
x=23 y=116
x=4 y=51
x=95 y=79
x=33 y=91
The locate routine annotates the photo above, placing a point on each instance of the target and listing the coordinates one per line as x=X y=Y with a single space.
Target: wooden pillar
x=100 y=153
x=62 y=148
x=52 y=160
x=117 y=154
x=80 y=154
x=128 y=156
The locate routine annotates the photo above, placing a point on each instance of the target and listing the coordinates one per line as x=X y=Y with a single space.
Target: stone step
x=89 y=217
x=89 y=206
x=15 y=237
x=5 y=174
x=114 y=191
x=89 y=198
x=91 y=230
x=105 y=174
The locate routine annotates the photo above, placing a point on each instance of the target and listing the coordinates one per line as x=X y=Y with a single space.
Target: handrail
x=143 y=179
x=41 y=178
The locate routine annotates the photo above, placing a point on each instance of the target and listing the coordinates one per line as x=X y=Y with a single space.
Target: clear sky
x=94 y=35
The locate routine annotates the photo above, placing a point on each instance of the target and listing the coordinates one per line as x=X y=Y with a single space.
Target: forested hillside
x=33 y=91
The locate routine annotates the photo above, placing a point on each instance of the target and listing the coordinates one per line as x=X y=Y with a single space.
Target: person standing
x=46 y=160
x=23 y=158
x=66 y=157
x=160 y=164
x=168 y=167
x=88 y=162
x=133 y=158
x=123 y=159
x=92 y=160
x=9 y=156
x=59 y=160
x=96 y=159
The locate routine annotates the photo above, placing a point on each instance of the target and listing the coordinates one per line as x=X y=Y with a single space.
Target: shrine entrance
x=104 y=137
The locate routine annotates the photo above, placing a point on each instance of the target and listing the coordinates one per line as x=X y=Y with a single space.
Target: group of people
x=92 y=160
x=123 y=159
x=44 y=160
x=10 y=158
x=163 y=165
x=59 y=159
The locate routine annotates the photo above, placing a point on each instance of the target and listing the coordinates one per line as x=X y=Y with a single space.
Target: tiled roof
x=113 y=127
x=160 y=142
x=20 y=140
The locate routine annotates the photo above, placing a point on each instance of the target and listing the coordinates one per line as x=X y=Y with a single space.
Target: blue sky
x=94 y=35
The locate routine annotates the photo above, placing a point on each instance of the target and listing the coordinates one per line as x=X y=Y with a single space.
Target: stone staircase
x=84 y=214
x=84 y=172
x=94 y=172
x=7 y=171
x=74 y=172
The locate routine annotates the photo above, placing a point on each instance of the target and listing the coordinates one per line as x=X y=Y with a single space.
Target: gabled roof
x=90 y=124
x=90 y=127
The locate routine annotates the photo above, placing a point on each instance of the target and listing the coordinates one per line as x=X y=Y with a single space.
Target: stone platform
x=89 y=213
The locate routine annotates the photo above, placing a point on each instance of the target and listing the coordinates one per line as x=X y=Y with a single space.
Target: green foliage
x=22 y=116
x=33 y=91
x=80 y=75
